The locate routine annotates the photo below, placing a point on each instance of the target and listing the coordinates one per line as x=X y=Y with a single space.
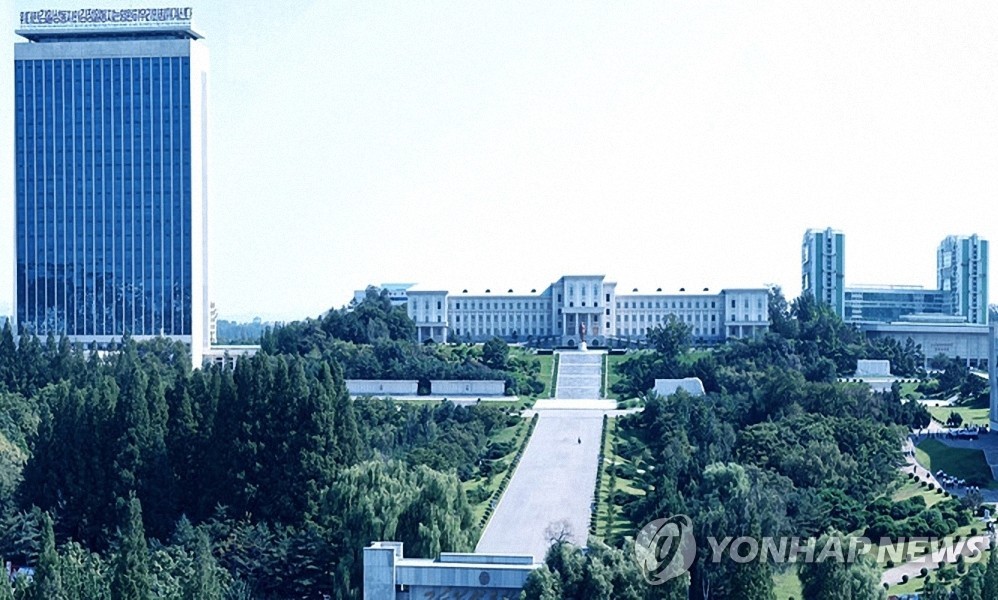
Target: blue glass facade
x=106 y=229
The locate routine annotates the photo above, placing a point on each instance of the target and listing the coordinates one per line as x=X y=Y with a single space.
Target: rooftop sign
x=103 y=17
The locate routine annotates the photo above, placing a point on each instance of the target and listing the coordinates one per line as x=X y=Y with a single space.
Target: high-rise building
x=962 y=272
x=823 y=267
x=111 y=179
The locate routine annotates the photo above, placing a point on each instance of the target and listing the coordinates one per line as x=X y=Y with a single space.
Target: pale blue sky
x=503 y=144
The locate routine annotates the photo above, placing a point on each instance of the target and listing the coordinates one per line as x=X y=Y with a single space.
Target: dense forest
x=126 y=474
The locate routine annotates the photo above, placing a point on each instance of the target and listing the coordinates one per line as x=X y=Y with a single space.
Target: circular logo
x=665 y=549
x=484 y=578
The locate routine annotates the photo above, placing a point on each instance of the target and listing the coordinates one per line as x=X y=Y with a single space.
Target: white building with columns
x=556 y=314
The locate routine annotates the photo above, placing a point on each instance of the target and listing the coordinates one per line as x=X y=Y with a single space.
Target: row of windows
x=660 y=318
x=502 y=318
x=502 y=305
x=503 y=331
x=582 y=290
x=664 y=304
x=643 y=331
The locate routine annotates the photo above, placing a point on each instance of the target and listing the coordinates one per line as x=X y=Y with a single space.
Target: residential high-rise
x=111 y=179
x=962 y=272
x=823 y=267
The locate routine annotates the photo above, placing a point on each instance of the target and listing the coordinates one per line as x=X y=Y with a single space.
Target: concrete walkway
x=553 y=486
x=970 y=549
x=574 y=404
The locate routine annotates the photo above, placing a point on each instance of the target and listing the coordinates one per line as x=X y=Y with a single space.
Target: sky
x=505 y=144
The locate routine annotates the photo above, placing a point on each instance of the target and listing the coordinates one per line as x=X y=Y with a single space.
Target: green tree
x=206 y=583
x=8 y=358
x=752 y=580
x=47 y=582
x=6 y=592
x=671 y=339
x=990 y=584
x=84 y=573
x=830 y=577
x=130 y=579
x=495 y=353
x=542 y=584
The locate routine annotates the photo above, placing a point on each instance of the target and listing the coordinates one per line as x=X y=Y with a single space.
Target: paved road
x=554 y=482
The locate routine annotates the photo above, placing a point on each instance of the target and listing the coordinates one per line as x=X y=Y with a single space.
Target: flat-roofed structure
x=938 y=334
x=389 y=575
x=889 y=303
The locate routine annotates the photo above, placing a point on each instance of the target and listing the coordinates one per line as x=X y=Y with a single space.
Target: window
x=733 y=303
x=439 y=305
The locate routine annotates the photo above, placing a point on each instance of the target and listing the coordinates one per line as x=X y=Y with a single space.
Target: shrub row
x=600 y=472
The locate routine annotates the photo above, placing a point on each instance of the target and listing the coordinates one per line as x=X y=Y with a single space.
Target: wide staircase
x=579 y=375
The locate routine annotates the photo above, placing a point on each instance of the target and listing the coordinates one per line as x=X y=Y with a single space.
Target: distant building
x=962 y=272
x=993 y=374
x=397 y=293
x=889 y=303
x=557 y=315
x=823 y=267
x=228 y=355
x=937 y=334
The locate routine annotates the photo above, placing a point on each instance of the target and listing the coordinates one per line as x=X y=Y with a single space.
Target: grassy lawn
x=612 y=376
x=909 y=390
x=958 y=462
x=971 y=416
x=916 y=584
x=913 y=586
x=787 y=584
x=620 y=527
x=491 y=484
x=911 y=489
x=547 y=374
